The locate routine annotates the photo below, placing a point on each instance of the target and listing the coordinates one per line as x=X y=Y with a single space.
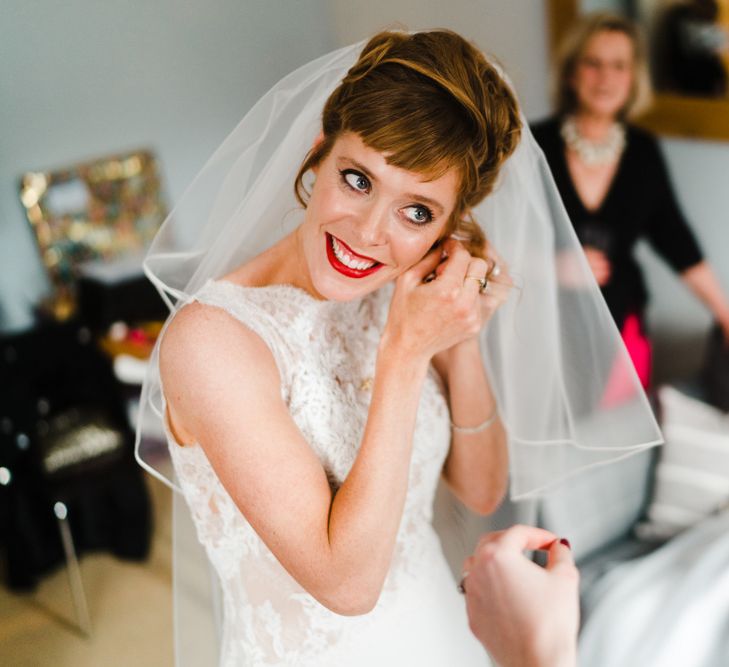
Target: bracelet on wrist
x=481 y=427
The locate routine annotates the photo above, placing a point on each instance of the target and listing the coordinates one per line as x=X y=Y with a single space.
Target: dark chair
x=68 y=479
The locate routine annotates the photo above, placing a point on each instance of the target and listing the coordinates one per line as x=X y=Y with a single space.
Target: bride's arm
x=477 y=466
x=338 y=547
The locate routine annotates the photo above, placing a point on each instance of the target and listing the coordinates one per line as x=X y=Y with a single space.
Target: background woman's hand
x=524 y=614
x=429 y=317
x=599 y=264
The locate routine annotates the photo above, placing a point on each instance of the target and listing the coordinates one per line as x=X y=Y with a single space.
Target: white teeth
x=343 y=256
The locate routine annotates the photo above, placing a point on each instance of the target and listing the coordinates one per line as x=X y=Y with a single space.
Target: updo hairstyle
x=428 y=101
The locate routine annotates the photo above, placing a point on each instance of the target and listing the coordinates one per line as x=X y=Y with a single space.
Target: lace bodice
x=325 y=353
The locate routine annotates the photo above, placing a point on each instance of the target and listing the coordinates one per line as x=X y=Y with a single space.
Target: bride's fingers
x=498 y=268
x=420 y=271
x=476 y=271
x=453 y=269
x=500 y=282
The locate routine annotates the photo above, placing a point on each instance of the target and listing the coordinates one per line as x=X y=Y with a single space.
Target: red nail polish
x=566 y=542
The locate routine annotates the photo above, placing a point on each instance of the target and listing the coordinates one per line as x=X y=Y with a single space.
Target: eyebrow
x=410 y=195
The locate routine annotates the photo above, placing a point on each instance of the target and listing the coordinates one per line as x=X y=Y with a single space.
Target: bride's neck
x=289 y=263
x=281 y=264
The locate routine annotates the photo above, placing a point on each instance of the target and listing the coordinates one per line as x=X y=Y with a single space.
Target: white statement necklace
x=594 y=153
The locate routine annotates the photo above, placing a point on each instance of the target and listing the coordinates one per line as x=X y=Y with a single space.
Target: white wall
x=82 y=79
x=514 y=32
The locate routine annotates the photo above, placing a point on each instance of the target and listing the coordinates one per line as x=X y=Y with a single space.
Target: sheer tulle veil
x=566 y=388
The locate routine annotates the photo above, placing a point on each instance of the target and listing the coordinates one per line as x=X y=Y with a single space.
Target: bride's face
x=368 y=221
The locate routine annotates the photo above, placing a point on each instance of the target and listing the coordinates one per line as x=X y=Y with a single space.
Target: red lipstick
x=343 y=268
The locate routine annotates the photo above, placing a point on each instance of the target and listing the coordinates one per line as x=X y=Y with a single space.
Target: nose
x=603 y=71
x=372 y=225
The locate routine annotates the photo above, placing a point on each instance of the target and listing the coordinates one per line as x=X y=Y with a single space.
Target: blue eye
x=355 y=180
x=420 y=215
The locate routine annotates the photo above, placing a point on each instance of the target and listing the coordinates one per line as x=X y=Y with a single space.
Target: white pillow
x=692 y=474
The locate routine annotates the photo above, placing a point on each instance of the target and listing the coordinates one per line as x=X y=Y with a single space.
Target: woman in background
x=613 y=179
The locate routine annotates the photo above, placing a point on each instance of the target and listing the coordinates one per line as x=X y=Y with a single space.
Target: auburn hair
x=429 y=101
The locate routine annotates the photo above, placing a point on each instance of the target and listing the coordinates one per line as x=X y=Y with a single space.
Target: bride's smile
x=347 y=261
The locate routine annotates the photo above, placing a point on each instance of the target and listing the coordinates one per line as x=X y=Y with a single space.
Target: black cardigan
x=639 y=203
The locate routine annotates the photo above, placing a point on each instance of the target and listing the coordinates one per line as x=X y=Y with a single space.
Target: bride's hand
x=499 y=288
x=429 y=317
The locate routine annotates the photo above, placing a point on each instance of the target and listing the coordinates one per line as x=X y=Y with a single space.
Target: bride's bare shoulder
x=208 y=363
x=202 y=340
x=206 y=340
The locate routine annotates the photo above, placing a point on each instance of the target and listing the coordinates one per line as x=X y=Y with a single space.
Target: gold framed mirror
x=106 y=210
x=673 y=112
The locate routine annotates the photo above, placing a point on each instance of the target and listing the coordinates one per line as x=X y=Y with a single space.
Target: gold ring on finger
x=483 y=283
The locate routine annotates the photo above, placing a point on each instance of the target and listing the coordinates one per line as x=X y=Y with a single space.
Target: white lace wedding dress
x=325 y=352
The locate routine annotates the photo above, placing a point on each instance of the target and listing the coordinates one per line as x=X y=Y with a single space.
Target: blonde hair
x=573 y=46
x=430 y=101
